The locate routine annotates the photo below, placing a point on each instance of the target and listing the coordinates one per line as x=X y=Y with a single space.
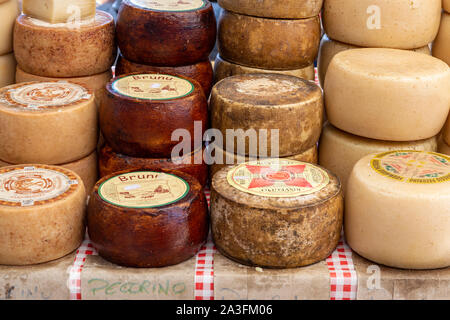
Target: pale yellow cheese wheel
x=446 y=131
x=387 y=94
x=7 y=69
x=443 y=147
x=9 y=10
x=59 y=11
x=400 y=24
x=397 y=216
x=446 y=5
x=441 y=45
x=339 y=150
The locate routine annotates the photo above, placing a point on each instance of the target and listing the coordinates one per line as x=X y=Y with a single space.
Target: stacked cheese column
x=268 y=37
x=9 y=10
x=167 y=36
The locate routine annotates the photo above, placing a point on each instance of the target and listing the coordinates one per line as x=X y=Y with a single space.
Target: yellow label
x=278 y=178
x=170 y=5
x=412 y=166
x=143 y=189
x=153 y=86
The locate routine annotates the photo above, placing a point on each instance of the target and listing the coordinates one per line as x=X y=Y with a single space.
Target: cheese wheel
x=7 y=69
x=65 y=50
x=268 y=43
x=397 y=209
x=400 y=24
x=140 y=113
x=224 y=69
x=47 y=122
x=42 y=211
x=339 y=151
x=255 y=102
x=201 y=71
x=446 y=5
x=59 y=11
x=329 y=48
x=95 y=82
x=446 y=131
x=287 y=9
x=276 y=213
x=166 y=32
x=9 y=10
x=192 y=164
x=147 y=218
x=441 y=45
x=387 y=94
x=227 y=158
x=443 y=147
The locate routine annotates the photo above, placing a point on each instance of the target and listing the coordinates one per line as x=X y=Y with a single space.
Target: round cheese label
x=412 y=166
x=143 y=189
x=170 y=5
x=153 y=86
x=278 y=178
x=34 y=185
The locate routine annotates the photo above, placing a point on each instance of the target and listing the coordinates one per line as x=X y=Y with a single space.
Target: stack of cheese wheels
x=167 y=36
x=276 y=213
x=142 y=118
x=264 y=115
x=441 y=45
x=148 y=218
x=397 y=209
x=51 y=123
x=397 y=24
x=9 y=10
x=268 y=36
x=391 y=99
x=50 y=44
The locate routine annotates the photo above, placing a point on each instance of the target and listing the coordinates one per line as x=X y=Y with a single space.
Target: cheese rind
x=446 y=131
x=9 y=10
x=441 y=45
x=387 y=94
x=443 y=147
x=59 y=11
x=7 y=69
x=446 y=5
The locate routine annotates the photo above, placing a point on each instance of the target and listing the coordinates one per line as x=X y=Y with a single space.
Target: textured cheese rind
x=287 y=9
x=224 y=69
x=387 y=94
x=446 y=5
x=51 y=136
x=41 y=233
x=60 y=51
x=275 y=232
x=403 y=24
x=9 y=10
x=339 y=151
x=57 y=11
x=443 y=147
x=446 y=131
x=403 y=225
x=254 y=101
x=7 y=69
x=268 y=43
x=441 y=45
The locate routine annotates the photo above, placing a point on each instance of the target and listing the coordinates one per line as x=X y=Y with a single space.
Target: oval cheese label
x=143 y=189
x=153 y=86
x=170 y=5
x=34 y=185
x=412 y=166
x=278 y=178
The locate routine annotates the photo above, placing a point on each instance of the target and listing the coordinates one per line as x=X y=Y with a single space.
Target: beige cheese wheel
x=397 y=209
x=387 y=94
x=255 y=102
x=446 y=131
x=7 y=69
x=65 y=50
x=96 y=82
x=42 y=213
x=224 y=69
x=329 y=48
x=339 y=151
x=9 y=10
x=446 y=5
x=47 y=122
x=441 y=45
x=443 y=147
x=276 y=213
x=59 y=11
x=400 y=24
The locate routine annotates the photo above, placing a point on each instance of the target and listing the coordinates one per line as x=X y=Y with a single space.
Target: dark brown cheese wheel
x=201 y=71
x=140 y=112
x=276 y=213
x=147 y=218
x=268 y=43
x=166 y=33
x=255 y=102
x=192 y=164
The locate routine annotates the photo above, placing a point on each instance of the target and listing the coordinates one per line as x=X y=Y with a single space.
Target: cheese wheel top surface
x=169 y=5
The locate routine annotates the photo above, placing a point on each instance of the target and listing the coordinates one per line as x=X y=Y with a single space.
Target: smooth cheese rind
x=9 y=10
x=396 y=24
x=441 y=45
x=446 y=5
x=65 y=50
x=224 y=69
x=268 y=43
x=443 y=147
x=446 y=131
x=59 y=11
x=395 y=223
x=387 y=94
x=7 y=69
x=339 y=151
